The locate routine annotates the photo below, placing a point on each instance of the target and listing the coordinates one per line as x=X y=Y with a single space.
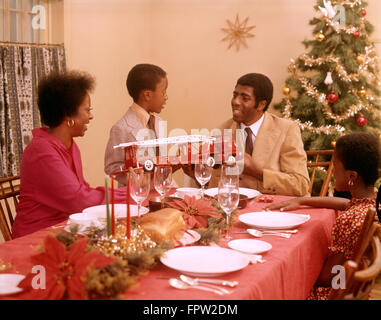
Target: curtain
x=21 y=67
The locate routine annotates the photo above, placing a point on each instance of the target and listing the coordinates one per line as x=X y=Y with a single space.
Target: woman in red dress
x=52 y=183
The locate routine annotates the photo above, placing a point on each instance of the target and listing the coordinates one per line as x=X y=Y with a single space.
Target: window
x=24 y=21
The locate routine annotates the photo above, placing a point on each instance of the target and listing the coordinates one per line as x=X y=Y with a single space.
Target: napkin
x=83 y=226
x=254 y=258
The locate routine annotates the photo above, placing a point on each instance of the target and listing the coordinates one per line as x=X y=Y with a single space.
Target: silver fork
x=195 y=282
x=179 y=284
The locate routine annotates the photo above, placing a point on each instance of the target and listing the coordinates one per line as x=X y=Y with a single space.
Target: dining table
x=286 y=272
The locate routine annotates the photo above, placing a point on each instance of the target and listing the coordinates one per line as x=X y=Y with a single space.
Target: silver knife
x=227 y=283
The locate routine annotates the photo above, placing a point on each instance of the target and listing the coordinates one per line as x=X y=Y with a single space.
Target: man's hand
x=188 y=170
x=176 y=167
x=251 y=168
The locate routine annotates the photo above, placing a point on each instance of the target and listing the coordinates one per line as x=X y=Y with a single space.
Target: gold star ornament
x=237 y=33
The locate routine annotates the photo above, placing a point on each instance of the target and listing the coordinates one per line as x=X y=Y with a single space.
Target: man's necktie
x=151 y=123
x=249 y=141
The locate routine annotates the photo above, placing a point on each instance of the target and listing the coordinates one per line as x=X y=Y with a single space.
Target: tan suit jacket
x=125 y=130
x=279 y=150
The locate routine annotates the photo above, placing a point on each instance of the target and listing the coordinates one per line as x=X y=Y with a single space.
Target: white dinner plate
x=190 y=236
x=273 y=219
x=250 y=193
x=9 y=282
x=204 y=261
x=120 y=210
x=250 y=246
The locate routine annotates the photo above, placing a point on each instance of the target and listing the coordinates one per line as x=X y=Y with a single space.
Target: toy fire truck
x=187 y=150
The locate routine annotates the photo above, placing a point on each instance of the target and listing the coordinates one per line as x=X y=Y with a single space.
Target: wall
x=105 y=38
x=108 y=37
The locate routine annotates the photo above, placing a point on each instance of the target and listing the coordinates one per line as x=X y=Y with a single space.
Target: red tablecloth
x=291 y=268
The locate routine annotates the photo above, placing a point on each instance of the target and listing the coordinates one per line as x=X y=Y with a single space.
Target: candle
x=112 y=207
x=107 y=209
x=128 y=231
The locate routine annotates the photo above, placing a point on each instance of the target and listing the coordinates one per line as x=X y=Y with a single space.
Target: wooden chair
x=315 y=164
x=9 y=189
x=362 y=271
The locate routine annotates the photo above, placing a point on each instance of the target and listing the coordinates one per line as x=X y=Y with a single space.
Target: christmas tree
x=333 y=89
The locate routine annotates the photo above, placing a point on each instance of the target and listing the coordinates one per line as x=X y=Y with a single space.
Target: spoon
x=258 y=234
x=178 y=284
x=194 y=282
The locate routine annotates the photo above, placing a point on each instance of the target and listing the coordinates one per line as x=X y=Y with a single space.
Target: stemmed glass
x=140 y=187
x=229 y=174
x=203 y=173
x=228 y=198
x=162 y=180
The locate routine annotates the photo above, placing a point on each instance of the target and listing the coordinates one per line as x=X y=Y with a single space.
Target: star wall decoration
x=237 y=33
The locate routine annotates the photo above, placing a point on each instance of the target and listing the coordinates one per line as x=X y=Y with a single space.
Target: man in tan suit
x=274 y=160
x=147 y=85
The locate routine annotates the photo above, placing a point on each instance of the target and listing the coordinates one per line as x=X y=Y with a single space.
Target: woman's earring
x=351 y=183
x=70 y=123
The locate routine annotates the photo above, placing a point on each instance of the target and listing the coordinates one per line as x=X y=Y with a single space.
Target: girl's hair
x=360 y=152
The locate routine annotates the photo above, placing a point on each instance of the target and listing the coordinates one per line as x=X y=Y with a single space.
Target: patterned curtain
x=21 y=67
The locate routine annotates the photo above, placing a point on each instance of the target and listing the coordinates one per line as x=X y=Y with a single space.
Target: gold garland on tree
x=321 y=97
x=369 y=59
x=351 y=3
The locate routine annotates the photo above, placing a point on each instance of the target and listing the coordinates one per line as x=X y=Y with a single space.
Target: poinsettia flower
x=195 y=211
x=65 y=271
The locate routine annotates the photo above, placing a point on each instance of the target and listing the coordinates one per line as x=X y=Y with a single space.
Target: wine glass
x=162 y=180
x=229 y=174
x=228 y=198
x=140 y=187
x=203 y=173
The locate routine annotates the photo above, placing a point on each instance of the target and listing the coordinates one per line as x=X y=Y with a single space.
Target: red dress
x=52 y=185
x=345 y=233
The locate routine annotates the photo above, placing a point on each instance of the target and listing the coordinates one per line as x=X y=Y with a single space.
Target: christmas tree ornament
x=332 y=97
x=360 y=59
x=286 y=90
x=363 y=12
x=328 y=10
x=361 y=121
x=333 y=143
x=362 y=92
x=328 y=79
x=320 y=36
x=356 y=34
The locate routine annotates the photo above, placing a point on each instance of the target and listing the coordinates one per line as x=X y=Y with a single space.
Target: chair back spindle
x=9 y=193
x=316 y=163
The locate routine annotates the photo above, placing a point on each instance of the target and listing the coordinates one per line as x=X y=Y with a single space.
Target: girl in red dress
x=355 y=161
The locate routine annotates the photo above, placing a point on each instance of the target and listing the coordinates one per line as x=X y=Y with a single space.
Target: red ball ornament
x=363 y=12
x=361 y=121
x=332 y=97
x=357 y=34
